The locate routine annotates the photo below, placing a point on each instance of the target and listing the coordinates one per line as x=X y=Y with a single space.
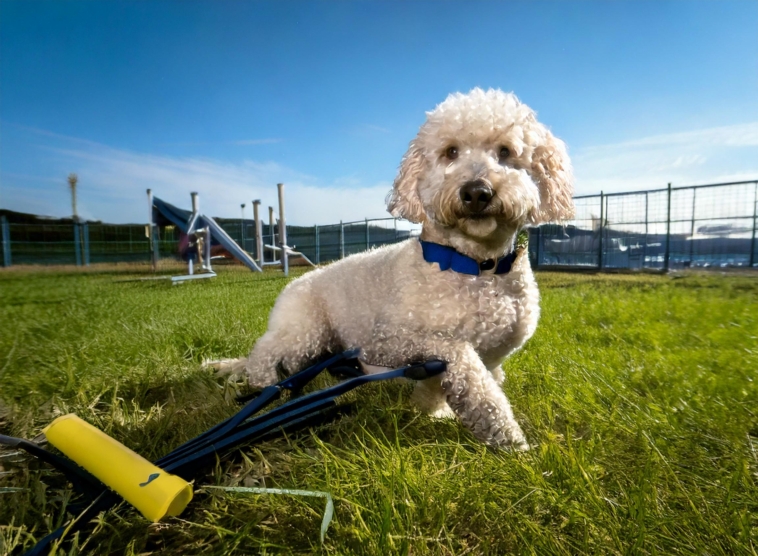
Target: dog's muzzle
x=475 y=196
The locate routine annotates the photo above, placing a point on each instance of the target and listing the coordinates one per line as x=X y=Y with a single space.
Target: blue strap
x=83 y=481
x=450 y=259
x=505 y=263
x=281 y=416
x=266 y=397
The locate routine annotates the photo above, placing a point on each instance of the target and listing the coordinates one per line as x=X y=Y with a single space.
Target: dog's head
x=482 y=165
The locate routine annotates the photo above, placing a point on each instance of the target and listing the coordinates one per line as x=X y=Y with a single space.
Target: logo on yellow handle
x=150 y=479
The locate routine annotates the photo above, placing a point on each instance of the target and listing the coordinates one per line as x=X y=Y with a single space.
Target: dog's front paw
x=509 y=437
x=521 y=446
x=233 y=368
x=443 y=412
x=505 y=444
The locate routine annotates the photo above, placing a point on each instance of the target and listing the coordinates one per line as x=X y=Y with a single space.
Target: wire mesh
x=112 y=243
x=574 y=244
x=42 y=243
x=683 y=227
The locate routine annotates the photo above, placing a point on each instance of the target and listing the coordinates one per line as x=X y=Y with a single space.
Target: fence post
x=644 y=249
x=667 y=253
x=156 y=242
x=77 y=246
x=395 y=221
x=271 y=230
x=85 y=237
x=242 y=228
x=258 y=232
x=600 y=237
x=368 y=244
x=755 y=214
x=152 y=240
x=539 y=246
x=283 y=231
x=342 y=240
x=318 y=246
x=6 y=240
x=692 y=228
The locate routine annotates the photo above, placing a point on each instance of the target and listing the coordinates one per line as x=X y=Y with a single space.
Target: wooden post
x=195 y=210
x=242 y=228
x=271 y=230
x=258 y=232
x=283 y=231
x=207 y=248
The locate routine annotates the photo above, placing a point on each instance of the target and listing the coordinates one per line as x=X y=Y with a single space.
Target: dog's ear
x=403 y=201
x=552 y=172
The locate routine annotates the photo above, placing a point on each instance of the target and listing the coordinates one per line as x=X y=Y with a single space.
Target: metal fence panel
x=672 y=228
x=110 y=243
x=42 y=243
x=576 y=243
x=699 y=227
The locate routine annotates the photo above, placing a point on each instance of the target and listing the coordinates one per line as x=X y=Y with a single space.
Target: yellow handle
x=148 y=488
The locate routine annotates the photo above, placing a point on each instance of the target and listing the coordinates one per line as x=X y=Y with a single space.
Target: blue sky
x=231 y=97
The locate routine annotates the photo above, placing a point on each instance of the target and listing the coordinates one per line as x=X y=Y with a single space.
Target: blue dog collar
x=449 y=258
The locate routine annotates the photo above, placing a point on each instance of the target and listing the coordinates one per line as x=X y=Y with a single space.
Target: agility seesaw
x=104 y=472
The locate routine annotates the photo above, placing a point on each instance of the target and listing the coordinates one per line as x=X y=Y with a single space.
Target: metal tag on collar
x=489 y=264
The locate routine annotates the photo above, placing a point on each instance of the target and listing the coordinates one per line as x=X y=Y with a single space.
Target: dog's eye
x=505 y=152
x=452 y=153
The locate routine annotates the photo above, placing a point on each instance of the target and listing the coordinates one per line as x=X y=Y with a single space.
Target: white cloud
x=112 y=182
x=112 y=185
x=720 y=154
x=238 y=143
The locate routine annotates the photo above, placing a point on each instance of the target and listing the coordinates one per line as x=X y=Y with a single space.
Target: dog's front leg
x=478 y=400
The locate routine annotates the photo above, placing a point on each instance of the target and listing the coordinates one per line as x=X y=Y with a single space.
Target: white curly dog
x=479 y=171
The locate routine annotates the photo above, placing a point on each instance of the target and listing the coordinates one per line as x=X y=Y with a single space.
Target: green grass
x=638 y=393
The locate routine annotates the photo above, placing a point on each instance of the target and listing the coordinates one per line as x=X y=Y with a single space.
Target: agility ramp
x=164 y=213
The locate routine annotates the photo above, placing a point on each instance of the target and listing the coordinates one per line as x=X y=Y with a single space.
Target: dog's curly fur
x=398 y=308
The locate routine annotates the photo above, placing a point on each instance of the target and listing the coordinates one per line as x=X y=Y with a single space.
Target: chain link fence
x=672 y=228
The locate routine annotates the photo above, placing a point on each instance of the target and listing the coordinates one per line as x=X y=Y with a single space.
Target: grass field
x=639 y=395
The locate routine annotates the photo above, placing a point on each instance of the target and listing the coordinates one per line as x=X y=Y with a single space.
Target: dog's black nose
x=475 y=196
